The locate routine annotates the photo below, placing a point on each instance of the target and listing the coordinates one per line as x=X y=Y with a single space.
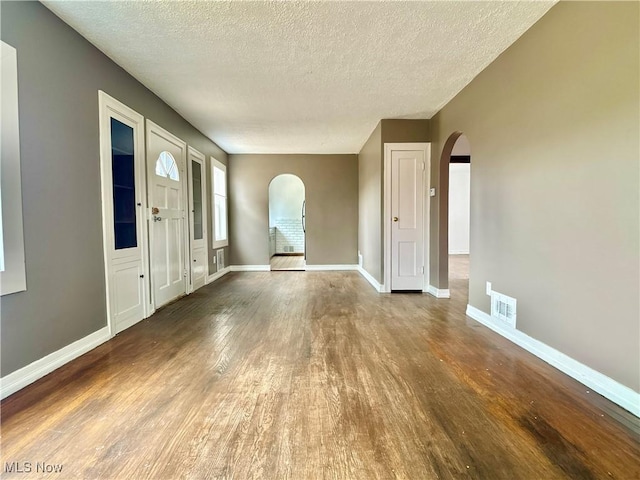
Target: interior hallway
x=315 y=375
x=459 y=272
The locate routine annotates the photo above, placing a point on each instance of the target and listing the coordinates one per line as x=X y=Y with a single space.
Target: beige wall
x=371 y=192
x=331 y=188
x=554 y=127
x=405 y=131
x=370 y=204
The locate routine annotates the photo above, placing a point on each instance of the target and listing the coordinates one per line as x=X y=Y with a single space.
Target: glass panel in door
x=197 y=200
x=124 y=190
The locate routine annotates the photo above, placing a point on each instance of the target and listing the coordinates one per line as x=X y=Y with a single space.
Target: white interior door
x=197 y=219
x=407 y=219
x=123 y=203
x=166 y=180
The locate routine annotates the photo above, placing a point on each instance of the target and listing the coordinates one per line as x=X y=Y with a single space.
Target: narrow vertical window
x=124 y=190
x=196 y=178
x=12 y=259
x=219 y=173
x=1 y=235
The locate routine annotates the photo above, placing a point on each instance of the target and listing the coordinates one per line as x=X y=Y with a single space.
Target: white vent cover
x=220 y=259
x=503 y=308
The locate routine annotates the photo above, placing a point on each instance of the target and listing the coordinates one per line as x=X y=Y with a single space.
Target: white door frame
x=153 y=127
x=110 y=107
x=386 y=216
x=194 y=155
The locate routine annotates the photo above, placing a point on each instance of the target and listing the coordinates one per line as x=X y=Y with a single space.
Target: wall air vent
x=503 y=308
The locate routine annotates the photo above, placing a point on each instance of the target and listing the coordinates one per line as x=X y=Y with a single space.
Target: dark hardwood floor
x=310 y=375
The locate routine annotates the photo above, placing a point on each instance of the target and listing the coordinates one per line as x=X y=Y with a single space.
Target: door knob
x=395 y=219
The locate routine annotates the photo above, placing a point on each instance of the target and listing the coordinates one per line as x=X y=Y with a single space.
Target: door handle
x=395 y=219
x=157 y=219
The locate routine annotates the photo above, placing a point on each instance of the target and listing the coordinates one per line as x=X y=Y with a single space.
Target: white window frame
x=225 y=241
x=13 y=276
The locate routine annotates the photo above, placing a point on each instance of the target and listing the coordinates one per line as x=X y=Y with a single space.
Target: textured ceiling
x=300 y=77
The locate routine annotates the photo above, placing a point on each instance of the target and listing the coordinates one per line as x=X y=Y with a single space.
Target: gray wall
x=59 y=75
x=554 y=128
x=371 y=186
x=331 y=189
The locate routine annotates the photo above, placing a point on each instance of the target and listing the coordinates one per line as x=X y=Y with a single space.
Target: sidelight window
x=196 y=188
x=124 y=190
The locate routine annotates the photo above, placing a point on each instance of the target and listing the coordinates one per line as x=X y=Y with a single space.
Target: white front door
x=407 y=219
x=123 y=204
x=197 y=219
x=166 y=174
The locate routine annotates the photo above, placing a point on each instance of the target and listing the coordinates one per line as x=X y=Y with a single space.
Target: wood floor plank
x=309 y=375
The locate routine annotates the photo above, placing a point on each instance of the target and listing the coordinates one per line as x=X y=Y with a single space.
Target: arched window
x=166 y=167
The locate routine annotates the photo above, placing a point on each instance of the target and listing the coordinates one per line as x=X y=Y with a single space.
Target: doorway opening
x=455 y=246
x=287 y=223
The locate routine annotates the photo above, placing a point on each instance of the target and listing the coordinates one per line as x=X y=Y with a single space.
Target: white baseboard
x=459 y=252
x=438 y=292
x=321 y=268
x=616 y=392
x=369 y=278
x=122 y=326
x=26 y=375
x=214 y=276
x=250 y=268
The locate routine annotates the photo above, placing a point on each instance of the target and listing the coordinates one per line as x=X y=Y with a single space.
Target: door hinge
x=422 y=269
x=423 y=166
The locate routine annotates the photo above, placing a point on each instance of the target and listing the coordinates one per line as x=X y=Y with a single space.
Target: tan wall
x=370 y=204
x=405 y=130
x=554 y=127
x=331 y=188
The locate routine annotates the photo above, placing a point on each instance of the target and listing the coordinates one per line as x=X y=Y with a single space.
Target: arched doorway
x=455 y=206
x=287 y=229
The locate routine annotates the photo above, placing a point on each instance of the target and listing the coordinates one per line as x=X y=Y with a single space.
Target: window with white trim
x=219 y=203
x=12 y=267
